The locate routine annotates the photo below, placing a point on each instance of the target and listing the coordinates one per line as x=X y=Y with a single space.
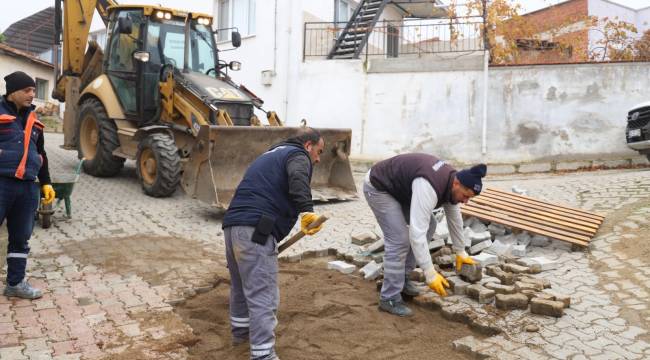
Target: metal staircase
x=355 y=35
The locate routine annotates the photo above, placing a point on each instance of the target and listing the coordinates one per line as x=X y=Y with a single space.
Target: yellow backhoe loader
x=160 y=95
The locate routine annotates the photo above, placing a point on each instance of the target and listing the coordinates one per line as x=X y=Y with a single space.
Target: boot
x=395 y=307
x=23 y=290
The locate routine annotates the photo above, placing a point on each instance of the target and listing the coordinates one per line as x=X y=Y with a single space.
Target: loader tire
x=158 y=165
x=97 y=139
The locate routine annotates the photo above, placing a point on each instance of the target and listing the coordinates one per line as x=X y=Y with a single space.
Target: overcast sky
x=16 y=10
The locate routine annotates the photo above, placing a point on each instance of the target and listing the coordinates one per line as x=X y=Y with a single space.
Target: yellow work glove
x=463 y=258
x=48 y=193
x=436 y=282
x=305 y=220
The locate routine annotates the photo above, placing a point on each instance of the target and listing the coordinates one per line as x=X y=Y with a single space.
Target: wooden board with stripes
x=537 y=217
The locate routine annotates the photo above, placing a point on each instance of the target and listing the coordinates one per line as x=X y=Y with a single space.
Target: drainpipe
x=275 y=37
x=286 y=85
x=486 y=66
x=486 y=63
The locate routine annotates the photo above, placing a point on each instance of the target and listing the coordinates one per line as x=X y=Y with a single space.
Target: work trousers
x=393 y=219
x=254 y=293
x=18 y=203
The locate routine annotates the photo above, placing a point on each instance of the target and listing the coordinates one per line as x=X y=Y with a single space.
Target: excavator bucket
x=222 y=154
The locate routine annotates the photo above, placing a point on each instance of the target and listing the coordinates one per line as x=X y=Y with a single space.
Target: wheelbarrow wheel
x=46 y=221
x=158 y=165
x=97 y=139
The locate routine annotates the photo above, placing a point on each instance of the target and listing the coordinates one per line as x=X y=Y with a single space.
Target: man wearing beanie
x=22 y=160
x=402 y=192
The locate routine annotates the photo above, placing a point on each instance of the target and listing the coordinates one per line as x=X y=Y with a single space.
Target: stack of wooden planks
x=537 y=217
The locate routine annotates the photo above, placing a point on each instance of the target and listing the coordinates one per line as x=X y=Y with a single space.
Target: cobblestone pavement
x=113 y=272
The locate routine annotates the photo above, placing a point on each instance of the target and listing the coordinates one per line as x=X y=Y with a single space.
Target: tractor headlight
x=160 y=14
x=168 y=16
x=204 y=21
x=235 y=65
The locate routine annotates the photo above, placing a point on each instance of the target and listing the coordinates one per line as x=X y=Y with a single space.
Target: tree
x=509 y=32
x=642 y=47
x=616 y=40
x=2 y=37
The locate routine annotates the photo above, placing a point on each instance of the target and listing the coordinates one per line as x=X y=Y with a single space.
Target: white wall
x=535 y=113
x=9 y=64
x=277 y=47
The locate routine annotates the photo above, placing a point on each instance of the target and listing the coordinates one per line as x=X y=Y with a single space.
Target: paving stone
x=546 y=307
x=364 y=238
x=341 y=266
x=500 y=289
x=376 y=246
x=544 y=283
x=514 y=268
x=540 y=241
x=436 y=244
x=511 y=301
x=518 y=250
x=499 y=247
x=485 y=259
x=529 y=293
x=13 y=353
x=471 y=273
x=458 y=285
x=445 y=260
x=480 y=293
x=371 y=271
x=564 y=299
x=506 y=278
x=469 y=345
x=480 y=246
x=496 y=229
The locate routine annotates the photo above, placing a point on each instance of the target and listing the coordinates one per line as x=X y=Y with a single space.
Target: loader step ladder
x=567 y=224
x=354 y=36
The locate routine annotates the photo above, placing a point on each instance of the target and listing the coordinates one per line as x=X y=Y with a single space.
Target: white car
x=637 y=132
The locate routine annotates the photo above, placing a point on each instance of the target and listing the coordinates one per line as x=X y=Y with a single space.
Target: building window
x=41 y=89
x=236 y=13
x=342 y=10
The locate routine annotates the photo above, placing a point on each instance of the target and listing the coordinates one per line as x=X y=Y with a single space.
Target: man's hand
x=48 y=193
x=463 y=258
x=306 y=220
x=436 y=282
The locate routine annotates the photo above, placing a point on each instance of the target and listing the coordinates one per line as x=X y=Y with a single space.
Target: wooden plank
x=544 y=206
x=540 y=207
x=524 y=227
x=520 y=224
x=537 y=214
x=568 y=209
x=533 y=201
x=541 y=220
x=299 y=235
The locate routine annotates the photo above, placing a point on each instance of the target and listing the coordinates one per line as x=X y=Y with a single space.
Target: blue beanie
x=471 y=178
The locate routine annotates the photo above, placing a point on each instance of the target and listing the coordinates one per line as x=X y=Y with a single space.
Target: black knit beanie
x=18 y=80
x=471 y=178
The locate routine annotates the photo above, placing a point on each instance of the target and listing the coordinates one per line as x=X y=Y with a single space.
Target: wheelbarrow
x=63 y=186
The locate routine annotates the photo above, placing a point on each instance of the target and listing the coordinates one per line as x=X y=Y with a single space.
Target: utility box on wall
x=267 y=77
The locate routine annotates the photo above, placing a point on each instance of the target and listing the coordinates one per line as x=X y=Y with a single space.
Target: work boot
x=23 y=290
x=395 y=307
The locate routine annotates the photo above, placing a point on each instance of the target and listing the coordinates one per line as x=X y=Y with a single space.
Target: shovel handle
x=299 y=235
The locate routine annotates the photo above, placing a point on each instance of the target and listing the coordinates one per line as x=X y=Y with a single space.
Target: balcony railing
x=404 y=38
